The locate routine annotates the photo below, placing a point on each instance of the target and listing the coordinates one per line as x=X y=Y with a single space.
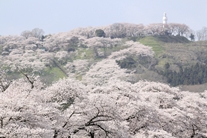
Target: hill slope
x=111 y=86
x=74 y=53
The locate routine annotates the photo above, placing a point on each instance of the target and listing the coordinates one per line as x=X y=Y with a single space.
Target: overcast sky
x=55 y=16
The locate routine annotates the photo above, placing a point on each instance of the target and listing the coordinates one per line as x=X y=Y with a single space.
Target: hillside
x=186 y=59
x=116 y=84
x=61 y=55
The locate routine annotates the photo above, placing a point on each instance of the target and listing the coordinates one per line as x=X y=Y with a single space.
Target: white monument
x=164 y=19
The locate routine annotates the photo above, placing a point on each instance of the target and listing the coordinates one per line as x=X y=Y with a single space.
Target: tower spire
x=164 y=19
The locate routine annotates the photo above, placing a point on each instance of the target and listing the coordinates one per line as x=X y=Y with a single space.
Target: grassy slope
x=158 y=48
x=177 y=51
x=51 y=75
x=154 y=43
x=171 y=49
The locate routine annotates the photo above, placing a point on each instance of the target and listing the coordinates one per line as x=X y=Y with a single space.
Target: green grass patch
x=172 y=39
x=162 y=62
x=118 y=48
x=79 y=77
x=154 y=43
x=85 y=53
x=88 y=53
x=1 y=48
x=51 y=75
x=114 y=49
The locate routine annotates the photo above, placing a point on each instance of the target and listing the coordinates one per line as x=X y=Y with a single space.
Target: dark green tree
x=100 y=33
x=195 y=74
x=167 y=66
x=192 y=37
x=127 y=62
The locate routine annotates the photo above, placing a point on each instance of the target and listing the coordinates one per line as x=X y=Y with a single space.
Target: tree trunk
x=92 y=134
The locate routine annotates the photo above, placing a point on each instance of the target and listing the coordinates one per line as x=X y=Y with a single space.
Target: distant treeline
x=196 y=74
x=130 y=30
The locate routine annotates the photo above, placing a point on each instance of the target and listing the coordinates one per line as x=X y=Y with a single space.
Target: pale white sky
x=55 y=16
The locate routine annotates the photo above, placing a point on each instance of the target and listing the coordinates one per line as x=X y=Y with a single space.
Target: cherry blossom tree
x=154 y=29
x=38 y=33
x=26 y=34
x=202 y=34
x=4 y=82
x=118 y=108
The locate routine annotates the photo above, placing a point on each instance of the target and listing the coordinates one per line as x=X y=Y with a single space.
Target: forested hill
x=166 y=53
x=103 y=82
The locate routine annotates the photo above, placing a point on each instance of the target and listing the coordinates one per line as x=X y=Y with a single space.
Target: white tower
x=164 y=19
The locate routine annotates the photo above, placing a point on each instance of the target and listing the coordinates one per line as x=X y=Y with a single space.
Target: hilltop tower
x=164 y=19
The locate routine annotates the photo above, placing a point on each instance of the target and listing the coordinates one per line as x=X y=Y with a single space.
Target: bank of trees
x=117 y=109
x=136 y=30
x=201 y=34
x=195 y=74
x=122 y=30
x=36 y=32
